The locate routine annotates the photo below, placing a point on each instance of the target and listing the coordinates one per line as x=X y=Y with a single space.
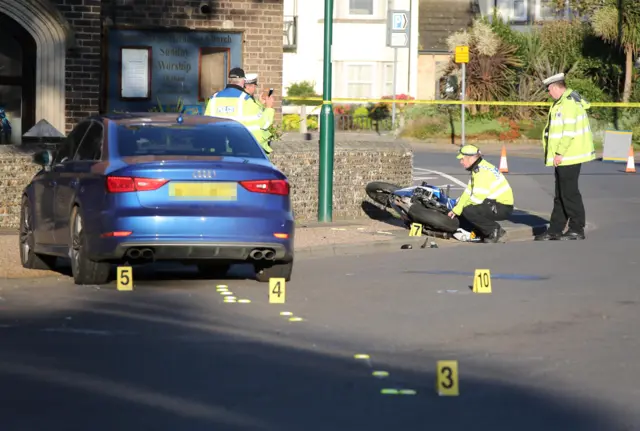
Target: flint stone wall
x=16 y=170
x=356 y=163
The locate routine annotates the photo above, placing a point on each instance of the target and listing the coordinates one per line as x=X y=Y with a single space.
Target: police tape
x=455 y=102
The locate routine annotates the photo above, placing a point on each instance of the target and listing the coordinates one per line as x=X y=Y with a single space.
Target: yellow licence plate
x=204 y=191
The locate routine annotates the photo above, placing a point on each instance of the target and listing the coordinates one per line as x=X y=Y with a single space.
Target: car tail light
x=130 y=184
x=116 y=234
x=273 y=187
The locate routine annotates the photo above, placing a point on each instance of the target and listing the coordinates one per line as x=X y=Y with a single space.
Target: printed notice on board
x=135 y=73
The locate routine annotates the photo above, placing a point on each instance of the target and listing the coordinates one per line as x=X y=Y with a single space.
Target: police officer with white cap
x=568 y=143
x=250 y=86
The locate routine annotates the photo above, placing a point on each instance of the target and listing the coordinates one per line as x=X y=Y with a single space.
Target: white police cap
x=252 y=78
x=552 y=79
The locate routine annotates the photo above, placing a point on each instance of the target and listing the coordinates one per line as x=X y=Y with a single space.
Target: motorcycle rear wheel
x=379 y=191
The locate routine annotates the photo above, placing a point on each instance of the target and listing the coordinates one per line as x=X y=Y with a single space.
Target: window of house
x=548 y=9
x=361 y=7
x=387 y=85
x=360 y=78
x=513 y=10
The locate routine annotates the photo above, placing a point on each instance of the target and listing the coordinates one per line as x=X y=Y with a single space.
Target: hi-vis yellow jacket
x=234 y=102
x=486 y=182
x=567 y=132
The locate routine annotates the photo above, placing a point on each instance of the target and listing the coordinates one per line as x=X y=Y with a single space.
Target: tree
x=580 y=7
x=620 y=25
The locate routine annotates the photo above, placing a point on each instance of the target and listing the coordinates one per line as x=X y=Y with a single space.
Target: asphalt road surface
x=553 y=347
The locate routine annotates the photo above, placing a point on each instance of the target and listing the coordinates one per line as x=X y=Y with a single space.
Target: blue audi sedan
x=146 y=187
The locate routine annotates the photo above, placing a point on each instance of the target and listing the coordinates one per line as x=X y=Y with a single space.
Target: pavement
x=552 y=347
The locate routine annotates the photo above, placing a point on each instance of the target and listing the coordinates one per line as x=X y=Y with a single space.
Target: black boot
x=548 y=236
x=495 y=235
x=572 y=235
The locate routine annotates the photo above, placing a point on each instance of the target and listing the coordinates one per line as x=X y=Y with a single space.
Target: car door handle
x=52 y=183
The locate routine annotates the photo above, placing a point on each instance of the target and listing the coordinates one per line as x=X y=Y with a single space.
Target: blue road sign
x=398 y=28
x=399 y=21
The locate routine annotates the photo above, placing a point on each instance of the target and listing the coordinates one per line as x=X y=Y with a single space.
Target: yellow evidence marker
x=416 y=229
x=124 y=278
x=482 y=281
x=276 y=290
x=447 y=378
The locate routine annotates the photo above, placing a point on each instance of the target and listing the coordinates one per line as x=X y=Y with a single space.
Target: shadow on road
x=374 y=212
x=162 y=360
x=525 y=218
x=168 y=272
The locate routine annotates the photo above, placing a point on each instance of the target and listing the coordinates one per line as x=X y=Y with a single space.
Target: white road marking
x=443 y=175
x=424 y=178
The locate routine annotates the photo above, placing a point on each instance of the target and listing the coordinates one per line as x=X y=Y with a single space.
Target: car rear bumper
x=128 y=250
x=177 y=237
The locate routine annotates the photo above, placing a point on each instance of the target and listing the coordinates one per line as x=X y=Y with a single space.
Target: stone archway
x=53 y=36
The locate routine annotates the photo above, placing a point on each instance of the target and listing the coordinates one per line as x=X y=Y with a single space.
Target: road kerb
x=333 y=250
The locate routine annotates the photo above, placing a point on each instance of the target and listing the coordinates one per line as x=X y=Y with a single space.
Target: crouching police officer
x=234 y=102
x=488 y=197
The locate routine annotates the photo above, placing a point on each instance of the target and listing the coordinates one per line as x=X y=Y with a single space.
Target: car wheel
x=275 y=270
x=213 y=270
x=84 y=271
x=28 y=258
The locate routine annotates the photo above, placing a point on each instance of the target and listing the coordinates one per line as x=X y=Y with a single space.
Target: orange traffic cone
x=503 y=160
x=631 y=163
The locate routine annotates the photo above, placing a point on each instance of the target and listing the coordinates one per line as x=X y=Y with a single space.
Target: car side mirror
x=43 y=158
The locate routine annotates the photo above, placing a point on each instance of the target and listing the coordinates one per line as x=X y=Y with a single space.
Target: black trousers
x=567 y=204
x=482 y=217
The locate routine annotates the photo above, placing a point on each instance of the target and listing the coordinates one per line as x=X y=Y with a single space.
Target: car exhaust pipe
x=269 y=254
x=146 y=253
x=134 y=253
x=256 y=254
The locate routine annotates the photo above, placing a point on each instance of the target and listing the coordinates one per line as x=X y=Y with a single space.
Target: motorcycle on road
x=425 y=204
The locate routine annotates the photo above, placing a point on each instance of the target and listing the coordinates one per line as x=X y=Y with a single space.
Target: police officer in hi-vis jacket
x=567 y=142
x=487 y=199
x=234 y=102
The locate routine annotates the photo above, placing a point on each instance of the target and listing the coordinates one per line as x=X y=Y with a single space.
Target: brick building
x=66 y=59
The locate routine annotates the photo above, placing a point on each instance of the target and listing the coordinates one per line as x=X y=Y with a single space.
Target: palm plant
x=491 y=71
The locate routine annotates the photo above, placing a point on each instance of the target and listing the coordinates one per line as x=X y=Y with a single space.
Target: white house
x=362 y=64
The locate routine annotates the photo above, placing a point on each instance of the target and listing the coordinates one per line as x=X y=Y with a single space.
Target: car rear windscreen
x=217 y=140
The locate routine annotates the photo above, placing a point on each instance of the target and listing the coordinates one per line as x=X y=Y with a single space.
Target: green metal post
x=327 y=126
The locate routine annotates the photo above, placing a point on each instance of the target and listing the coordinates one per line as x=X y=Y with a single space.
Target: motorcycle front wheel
x=433 y=219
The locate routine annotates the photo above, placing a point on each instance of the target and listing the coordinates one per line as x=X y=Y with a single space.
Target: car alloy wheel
x=76 y=243
x=26 y=235
x=84 y=270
